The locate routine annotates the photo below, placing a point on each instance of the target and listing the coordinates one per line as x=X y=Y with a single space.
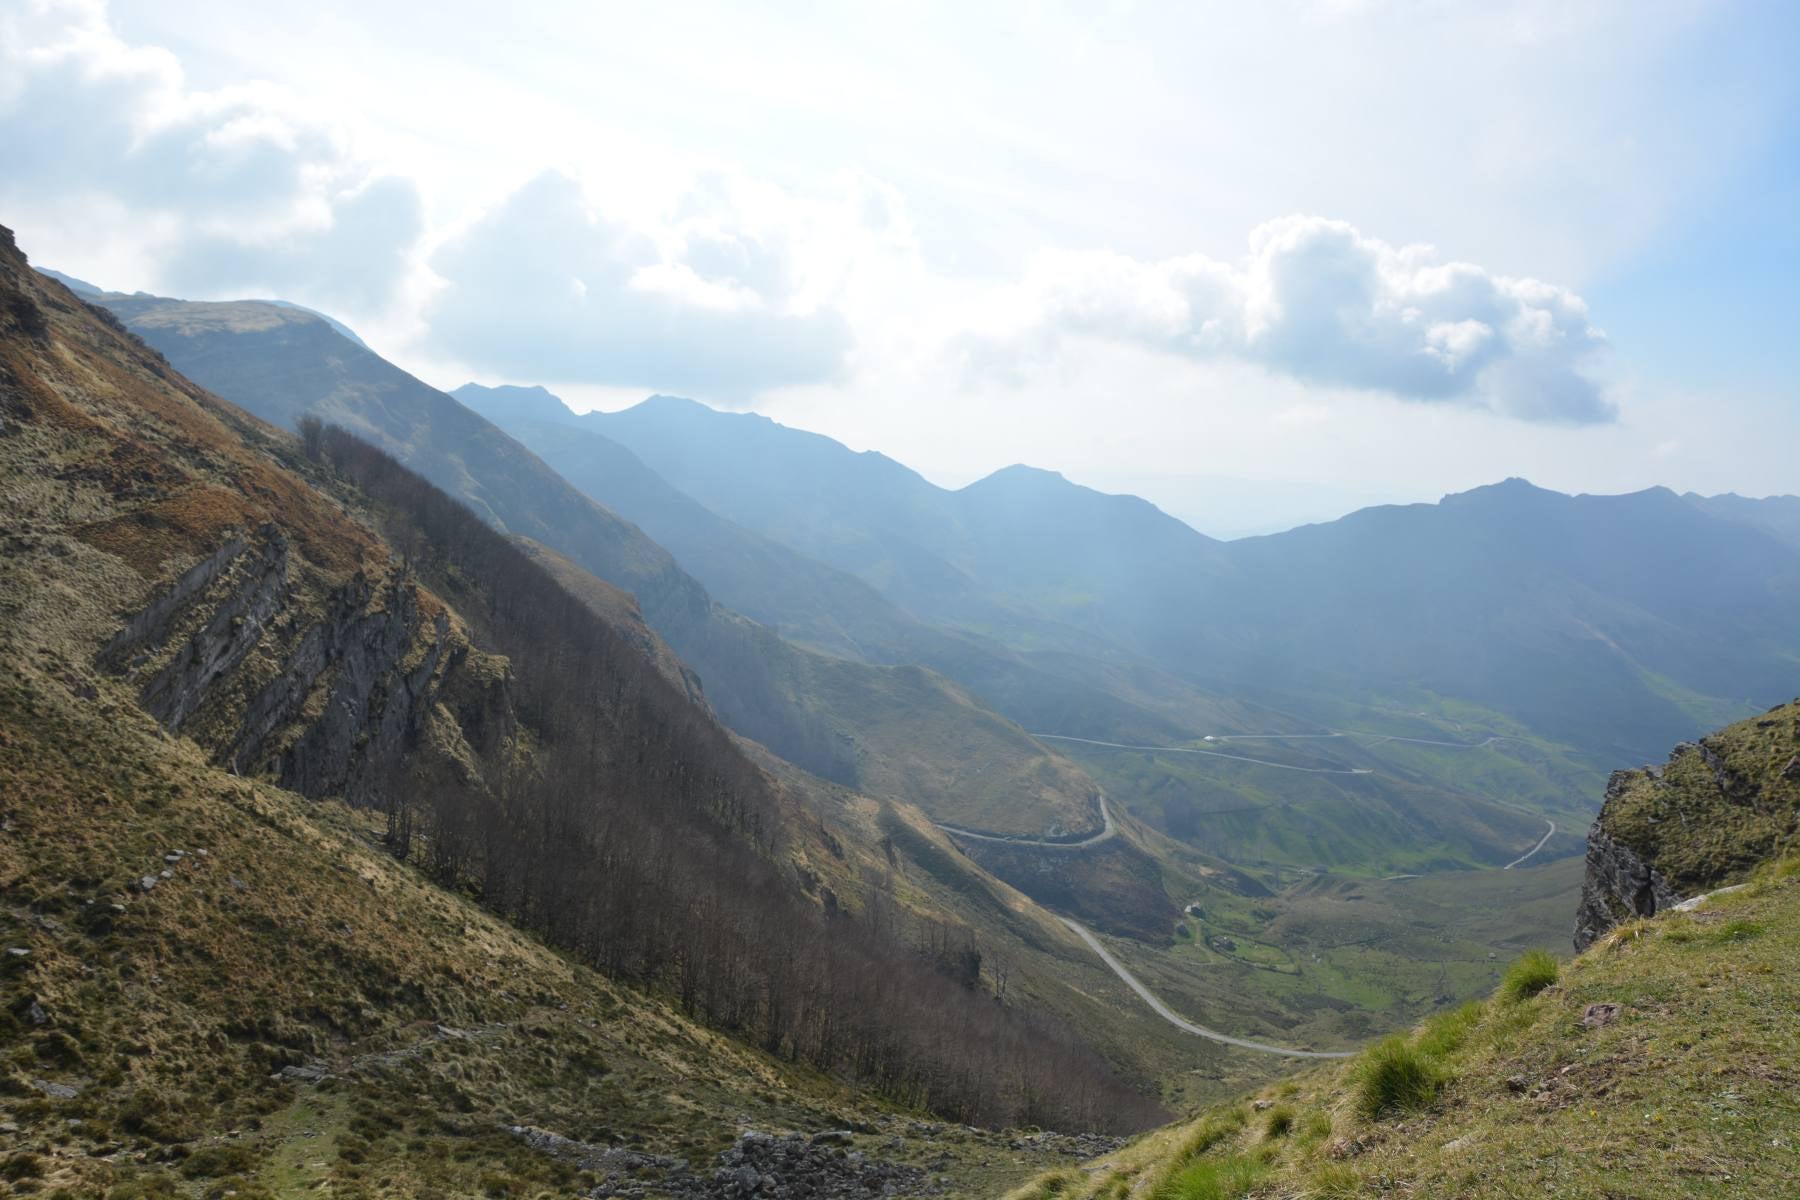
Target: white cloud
x=783 y=201
x=544 y=287
x=1317 y=300
x=235 y=189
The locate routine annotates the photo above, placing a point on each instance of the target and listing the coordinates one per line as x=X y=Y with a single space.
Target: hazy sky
x=1256 y=262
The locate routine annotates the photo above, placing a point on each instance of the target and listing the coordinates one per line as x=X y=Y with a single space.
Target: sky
x=1261 y=264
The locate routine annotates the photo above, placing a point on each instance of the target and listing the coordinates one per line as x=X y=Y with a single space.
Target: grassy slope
x=293 y=940
x=1688 y=1091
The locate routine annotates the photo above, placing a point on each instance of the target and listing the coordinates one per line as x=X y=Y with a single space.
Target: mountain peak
x=534 y=402
x=1022 y=475
x=661 y=402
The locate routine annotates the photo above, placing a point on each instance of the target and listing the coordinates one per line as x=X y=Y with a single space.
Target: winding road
x=1168 y=1014
x=1550 y=833
x=1107 y=831
x=1110 y=830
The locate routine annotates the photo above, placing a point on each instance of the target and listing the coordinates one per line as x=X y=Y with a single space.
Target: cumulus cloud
x=542 y=287
x=1317 y=300
x=231 y=189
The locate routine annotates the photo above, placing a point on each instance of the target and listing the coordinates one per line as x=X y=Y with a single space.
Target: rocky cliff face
x=326 y=690
x=1619 y=885
x=226 y=579
x=1706 y=818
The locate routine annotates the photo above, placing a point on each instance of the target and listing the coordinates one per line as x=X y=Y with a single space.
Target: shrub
x=1530 y=974
x=1395 y=1076
x=23 y=1165
x=212 y=1161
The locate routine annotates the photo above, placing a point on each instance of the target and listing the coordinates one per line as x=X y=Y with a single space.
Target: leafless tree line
x=617 y=820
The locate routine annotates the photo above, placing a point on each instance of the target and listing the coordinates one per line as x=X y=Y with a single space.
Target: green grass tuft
x=1334 y=1181
x=1210 y=1133
x=1530 y=974
x=1394 y=1076
x=1214 y=1179
x=1315 y=1129
x=1445 y=1033
x=1278 y=1122
x=1059 y=1183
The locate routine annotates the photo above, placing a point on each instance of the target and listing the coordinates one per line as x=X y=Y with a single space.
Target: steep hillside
x=1658 y=1064
x=1705 y=819
x=215 y=986
x=283 y=363
x=208 y=619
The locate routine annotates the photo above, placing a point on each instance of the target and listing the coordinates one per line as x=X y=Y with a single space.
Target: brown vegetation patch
x=182 y=527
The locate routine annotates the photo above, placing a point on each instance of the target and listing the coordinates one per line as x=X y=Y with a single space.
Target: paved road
x=1166 y=1013
x=1107 y=831
x=1547 y=836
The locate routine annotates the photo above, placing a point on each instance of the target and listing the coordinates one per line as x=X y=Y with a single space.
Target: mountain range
x=1520 y=600
x=514 y=768
x=889 y=634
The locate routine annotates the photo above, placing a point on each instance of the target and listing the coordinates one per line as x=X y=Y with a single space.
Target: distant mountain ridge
x=1618 y=623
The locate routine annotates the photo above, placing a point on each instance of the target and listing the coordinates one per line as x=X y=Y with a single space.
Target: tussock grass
x=1057 y=1183
x=1395 y=1076
x=1530 y=974
x=1214 y=1179
x=1334 y=1181
x=1446 y=1033
x=1278 y=1122
x=1621 y=936
x=1211 y=1132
